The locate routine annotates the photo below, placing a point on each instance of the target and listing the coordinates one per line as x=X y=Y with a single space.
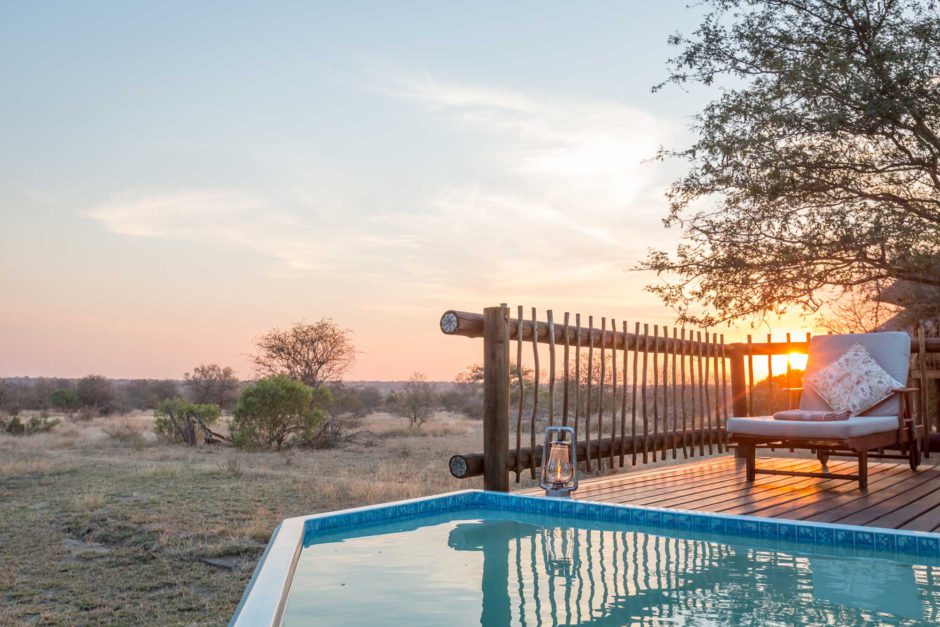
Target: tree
x=149 y=393
x=95 y=394
x=273 y=412
x=211 y=383
x=179 y=420
x=858 y=312
x=816 y=169
x=65 y=400
x=416 y=401
x=6 y=394
x=311 y=353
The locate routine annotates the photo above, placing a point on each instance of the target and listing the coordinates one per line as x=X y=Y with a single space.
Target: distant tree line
x=299 y=399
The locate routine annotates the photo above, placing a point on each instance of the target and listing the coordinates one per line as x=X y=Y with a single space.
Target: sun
x=797 y=361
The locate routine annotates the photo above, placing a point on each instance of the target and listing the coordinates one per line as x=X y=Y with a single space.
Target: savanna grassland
x=100 y=522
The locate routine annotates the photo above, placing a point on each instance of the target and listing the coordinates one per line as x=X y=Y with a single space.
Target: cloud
x=297 y=235
x=561 y=192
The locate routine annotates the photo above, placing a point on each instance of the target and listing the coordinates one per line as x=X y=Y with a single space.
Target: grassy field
x=100 y=523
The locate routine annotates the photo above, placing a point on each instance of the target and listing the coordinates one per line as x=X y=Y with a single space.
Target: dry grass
x=101 y=523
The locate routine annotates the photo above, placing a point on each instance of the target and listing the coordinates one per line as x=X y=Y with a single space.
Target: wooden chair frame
x=905 y=439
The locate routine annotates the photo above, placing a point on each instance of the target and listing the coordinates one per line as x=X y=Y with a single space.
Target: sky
x=178 y=178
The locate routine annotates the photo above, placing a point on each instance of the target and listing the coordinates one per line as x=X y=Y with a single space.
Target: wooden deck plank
x=882 y=475
x=928 y=521
x=896 y=496
x=666 y=474
x=648 y=477
x=712 y=499
x=680 y=486
x=899 y=492
x=845 y=498
x=903 y=516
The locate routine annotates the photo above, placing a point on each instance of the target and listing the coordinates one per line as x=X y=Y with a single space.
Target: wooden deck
x=896 y=498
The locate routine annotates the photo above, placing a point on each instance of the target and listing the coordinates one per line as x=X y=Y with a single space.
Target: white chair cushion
x=854 y=382
x=766 y=426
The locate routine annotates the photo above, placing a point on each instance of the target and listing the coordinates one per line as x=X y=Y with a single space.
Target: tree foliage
x=273 y=412
x=180 y=420
x=212 y=383
x=65 y=400
x=311 y=353
x=816 y=169
x=96 y=394
x=149 y=393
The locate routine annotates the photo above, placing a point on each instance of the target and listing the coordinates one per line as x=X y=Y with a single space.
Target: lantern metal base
x=560 y=493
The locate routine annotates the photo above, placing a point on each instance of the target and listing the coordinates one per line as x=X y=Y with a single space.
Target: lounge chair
x=886 y=425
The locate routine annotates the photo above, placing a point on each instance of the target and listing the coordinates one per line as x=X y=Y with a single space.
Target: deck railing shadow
x=636 y=393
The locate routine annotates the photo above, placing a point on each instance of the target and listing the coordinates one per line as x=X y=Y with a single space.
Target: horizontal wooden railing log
x=469 y=465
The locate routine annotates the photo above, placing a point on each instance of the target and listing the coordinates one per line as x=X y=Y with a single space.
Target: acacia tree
x=816 y=169
x=311 y=353
x=415 y=401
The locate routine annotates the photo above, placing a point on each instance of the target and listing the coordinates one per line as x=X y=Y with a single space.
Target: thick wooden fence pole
x=496 y=398
x=738 y=381
x=738 y=386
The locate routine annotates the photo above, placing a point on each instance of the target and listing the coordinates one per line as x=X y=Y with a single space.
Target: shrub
x=178 y=420
x=35 y=424
x=273 y=412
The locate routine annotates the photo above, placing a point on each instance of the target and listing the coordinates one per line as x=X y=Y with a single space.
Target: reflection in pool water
x=490 y=570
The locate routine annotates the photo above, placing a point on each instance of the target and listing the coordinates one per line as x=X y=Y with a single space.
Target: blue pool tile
x=638 y=516
x=733 y=527
x=844 y=538
x=805 y=533
x=716 y=524
x=668 y=520
x=684 y=521
x=653 y=518
x=623 y=515
x=886 y=542
x=786 y=533
x=825 y=536
x=907 y=544
x=749 y=528
x=768 y=530
x=928 y=547
x=864 y=540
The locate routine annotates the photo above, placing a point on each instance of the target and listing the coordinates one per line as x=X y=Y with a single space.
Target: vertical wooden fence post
x=496 y=398
x=738 y=381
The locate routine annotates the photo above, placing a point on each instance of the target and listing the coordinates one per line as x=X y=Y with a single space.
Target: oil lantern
x=559 y=462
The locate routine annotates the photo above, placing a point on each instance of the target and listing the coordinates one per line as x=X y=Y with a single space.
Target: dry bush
x=124 y=429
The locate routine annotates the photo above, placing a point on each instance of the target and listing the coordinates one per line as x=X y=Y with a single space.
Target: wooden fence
x=635 y=393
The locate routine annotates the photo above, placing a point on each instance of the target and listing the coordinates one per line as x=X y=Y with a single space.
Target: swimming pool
x=472 y=558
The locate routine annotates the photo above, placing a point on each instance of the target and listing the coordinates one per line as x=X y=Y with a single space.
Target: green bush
x=35 y=424
x=274 y=412
x=178 y=420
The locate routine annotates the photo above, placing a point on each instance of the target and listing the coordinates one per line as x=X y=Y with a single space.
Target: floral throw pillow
x=854 y=382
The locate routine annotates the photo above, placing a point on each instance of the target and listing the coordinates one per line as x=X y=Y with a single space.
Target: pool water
x=500 y=568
